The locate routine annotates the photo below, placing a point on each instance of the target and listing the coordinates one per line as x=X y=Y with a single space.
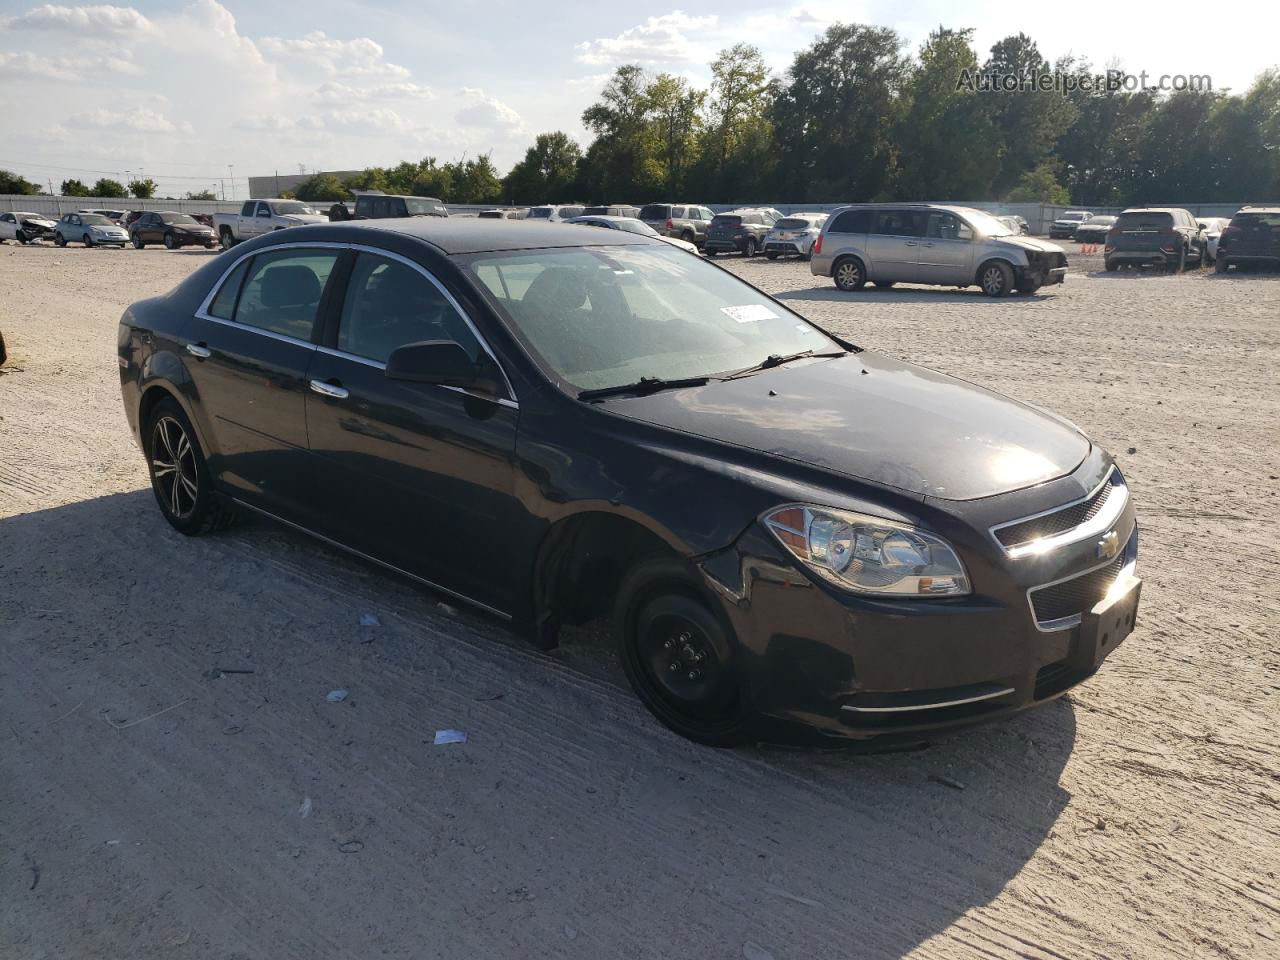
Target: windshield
x=636 y=226
x=606 y=316
x=419 y=207
x=177 y=218
x=987 y=225
x=288 y=207
x=1072 y=216
x=94 y=219
x=540 y=213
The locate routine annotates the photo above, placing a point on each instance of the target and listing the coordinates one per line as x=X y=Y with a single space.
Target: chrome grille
x=1073 y=597
x=1059 y=521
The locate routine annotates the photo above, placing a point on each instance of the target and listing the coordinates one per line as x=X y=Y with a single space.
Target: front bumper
x=822 y=664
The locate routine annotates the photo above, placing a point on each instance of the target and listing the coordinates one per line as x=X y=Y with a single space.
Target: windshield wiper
x=777 y=360
x=642 y=386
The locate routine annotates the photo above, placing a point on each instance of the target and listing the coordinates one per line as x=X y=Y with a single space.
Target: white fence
x=57 y=206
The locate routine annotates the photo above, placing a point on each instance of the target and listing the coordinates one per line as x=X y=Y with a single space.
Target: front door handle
x=199 y=350
x=330 y=389
x=910 y=243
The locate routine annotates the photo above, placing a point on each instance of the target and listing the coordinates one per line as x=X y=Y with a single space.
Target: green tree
x=622 y=160
x=321 y=188
x=12 y=183
x=738 y=131
x=836 y=114
x=1027 y=122
x=143 y=189
x=106 y=187
x=547 y=173
x=674 y=112
x=201 y=195
x=475 y=181
x=946 y=144
x=1039 y=186
x=74 y=188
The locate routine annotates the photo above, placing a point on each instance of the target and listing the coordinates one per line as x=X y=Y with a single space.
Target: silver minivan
x=888 y=243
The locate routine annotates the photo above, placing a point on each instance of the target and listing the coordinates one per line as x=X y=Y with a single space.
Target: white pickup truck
x=257 y=217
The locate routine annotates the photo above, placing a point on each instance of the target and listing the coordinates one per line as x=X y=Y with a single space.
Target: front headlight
x=868 y=555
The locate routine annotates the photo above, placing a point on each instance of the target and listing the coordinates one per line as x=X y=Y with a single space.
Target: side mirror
x=965 y=232
x=442 y=362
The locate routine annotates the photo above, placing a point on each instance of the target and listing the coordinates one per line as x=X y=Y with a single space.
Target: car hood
x=876 y=419
x=1031 y=243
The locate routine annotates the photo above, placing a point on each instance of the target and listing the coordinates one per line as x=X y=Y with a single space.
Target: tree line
x=859 y=117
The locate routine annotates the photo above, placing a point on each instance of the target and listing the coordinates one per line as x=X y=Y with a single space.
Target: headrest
x=290 y=285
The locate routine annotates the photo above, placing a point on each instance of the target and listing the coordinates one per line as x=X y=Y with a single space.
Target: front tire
x=1111 y=266
x=137 y=242
x=87 y=240
x=170 y=243
x=849 y=274
x=59 y=240
x=678 y=654
x=771 y=255
x=21 y=237
x=1180 y=264
x=996 y=279
x=883 y=284
x=750 y=249
x=179 y=473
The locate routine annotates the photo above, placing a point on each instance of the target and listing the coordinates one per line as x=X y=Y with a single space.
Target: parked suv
x=931 y=243
x=1252 y=238
x=1166 y=236
x=1064 y=228
x=382 y=206
x=741 y=230
x=610 y=210
x=683 y=221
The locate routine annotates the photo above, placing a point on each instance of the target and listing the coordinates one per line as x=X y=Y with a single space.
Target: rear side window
x=898 y=223
x=283 y=290
x=655 y=211
x=390 y=304
x=223 y=305
x=851 y=221
x=363 y=206
x=1144 y=221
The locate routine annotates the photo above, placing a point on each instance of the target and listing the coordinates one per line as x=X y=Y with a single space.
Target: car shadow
x=801 y=852
x=905 y=294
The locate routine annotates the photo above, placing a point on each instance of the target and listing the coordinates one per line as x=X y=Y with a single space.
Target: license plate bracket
x=1103 y=628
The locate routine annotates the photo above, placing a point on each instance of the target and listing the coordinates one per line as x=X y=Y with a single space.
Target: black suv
x=1167 y=236
x=1252 y=239
x=381 y=206
x=741 y=230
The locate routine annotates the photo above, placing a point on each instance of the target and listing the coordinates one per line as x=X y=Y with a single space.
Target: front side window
x=943 y=226
x=283 y=290
x=606 y=316
x=390 y=304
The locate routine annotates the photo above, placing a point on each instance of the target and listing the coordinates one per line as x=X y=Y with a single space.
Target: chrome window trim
x=1066 y=623
x=930 y=706
x=379 y=365
x=1091 y=527
x=203 y=310
x=382 y=563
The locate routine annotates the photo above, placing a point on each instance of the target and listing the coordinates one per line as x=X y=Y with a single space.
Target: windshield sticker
x=749 y=313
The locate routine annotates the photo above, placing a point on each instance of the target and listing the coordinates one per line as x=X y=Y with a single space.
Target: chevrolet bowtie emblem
x=1109 y=546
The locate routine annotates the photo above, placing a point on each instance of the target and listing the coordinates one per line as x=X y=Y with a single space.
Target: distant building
x=276 y=184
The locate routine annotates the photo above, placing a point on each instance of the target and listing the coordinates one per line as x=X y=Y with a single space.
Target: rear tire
x=179 y=473
x=226 y=238
x=1111 y=266
x=883 y=284
x=678 y=654
x=771 y=255
x=750 y=249
x=21 y=237
x=1180 y=264
x=849 y=274
x=1220 y=264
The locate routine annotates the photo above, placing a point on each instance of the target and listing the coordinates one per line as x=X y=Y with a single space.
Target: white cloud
x=359 y=57
x=483 y=110
x=661 y=39
x=338 y=93
x=71 y=69
x=88 y=21
x=139 y=120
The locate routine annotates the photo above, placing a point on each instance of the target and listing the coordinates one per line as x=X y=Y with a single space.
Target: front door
x=419 y=476
x=249 y=367
x=945 y=256
x=893 y=245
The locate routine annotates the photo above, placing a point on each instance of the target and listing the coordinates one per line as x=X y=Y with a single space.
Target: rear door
x=893 y=245
x=417 y=475
x=256 y=339
x=944 y=256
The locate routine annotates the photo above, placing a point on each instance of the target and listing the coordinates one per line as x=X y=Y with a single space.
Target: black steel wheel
x=678 y=655
x=179 y=474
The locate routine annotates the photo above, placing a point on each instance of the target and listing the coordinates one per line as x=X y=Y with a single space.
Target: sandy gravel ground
x=147 y=810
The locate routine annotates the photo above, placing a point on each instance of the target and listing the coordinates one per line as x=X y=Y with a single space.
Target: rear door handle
x=330 y=389
x=911 y=243
x=199 y=350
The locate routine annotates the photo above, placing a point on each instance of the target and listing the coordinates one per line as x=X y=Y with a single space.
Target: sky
x=197 y=92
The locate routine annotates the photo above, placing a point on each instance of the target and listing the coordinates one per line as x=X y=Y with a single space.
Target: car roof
x=1257 y=210
x=1155 y=210
x=456 y=235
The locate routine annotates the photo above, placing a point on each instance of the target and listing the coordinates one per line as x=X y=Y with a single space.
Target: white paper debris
x=450 y=736
x=749 y=313
x=336 y=696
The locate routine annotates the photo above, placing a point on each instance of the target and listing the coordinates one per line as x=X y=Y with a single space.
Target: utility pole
x=231 y=175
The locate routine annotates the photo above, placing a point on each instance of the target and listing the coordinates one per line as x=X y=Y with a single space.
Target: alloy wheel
x=848 y=275
x=173 y=467
x=993 y=281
